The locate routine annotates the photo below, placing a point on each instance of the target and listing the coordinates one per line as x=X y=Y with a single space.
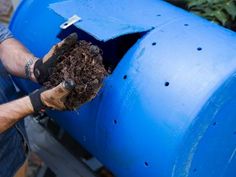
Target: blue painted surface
x=174 y=114
x=122 y=19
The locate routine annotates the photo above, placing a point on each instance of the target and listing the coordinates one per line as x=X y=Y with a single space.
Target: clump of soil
x=83 y=64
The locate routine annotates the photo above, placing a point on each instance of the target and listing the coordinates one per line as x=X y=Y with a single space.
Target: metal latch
x=72 y=20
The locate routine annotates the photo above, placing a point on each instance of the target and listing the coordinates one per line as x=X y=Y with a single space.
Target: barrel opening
x=113 y=49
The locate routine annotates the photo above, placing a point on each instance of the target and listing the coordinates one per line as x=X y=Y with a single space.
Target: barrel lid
x=109 y=19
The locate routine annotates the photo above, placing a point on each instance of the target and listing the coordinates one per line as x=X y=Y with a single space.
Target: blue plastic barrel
x=169 y=107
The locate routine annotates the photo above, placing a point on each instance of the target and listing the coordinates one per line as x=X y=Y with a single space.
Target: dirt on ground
x=83 y=64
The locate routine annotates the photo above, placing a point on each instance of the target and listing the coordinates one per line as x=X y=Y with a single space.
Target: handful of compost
x=82 y=63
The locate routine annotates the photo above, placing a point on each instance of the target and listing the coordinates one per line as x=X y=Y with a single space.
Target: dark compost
x=83 y=64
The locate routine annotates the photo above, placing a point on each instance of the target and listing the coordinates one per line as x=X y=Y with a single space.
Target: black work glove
x=42 y=68
x=53 y=98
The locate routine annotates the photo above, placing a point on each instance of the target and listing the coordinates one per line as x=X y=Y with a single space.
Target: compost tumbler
x=169 y=107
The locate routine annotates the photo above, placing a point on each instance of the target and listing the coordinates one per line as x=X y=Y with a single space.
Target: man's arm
x=54 y=98
x=13 y=111
x=20 y=62
x=14 y=57
x=13 y=54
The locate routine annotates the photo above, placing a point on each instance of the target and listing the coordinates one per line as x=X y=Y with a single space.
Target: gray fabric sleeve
x=4 y=33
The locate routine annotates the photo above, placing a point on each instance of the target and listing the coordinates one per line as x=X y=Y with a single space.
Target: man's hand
x=16 y=110
x=42 y=68
x=53 y=98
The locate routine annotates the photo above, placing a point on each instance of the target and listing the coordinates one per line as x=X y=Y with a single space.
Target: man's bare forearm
x=13 y=111
x=14 y=57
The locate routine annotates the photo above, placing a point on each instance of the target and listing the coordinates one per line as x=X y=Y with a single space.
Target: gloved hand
x=53 y=98
x=43 y=67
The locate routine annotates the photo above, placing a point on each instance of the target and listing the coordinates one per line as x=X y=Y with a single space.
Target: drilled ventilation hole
x=199 y=48
x=167 y=84
x=154 y=43
x=146 y=164
x=125 y=77
x=65 y=24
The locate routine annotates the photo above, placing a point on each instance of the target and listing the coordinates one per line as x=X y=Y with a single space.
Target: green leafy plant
x=220 y=11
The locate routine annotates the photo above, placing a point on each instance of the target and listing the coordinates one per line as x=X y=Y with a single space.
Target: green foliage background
x=222 y=12
x=219 y=11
